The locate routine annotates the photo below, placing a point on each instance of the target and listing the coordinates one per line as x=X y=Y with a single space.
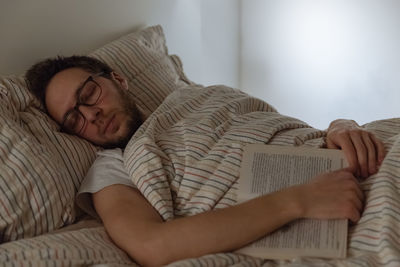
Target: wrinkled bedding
x=185 y=159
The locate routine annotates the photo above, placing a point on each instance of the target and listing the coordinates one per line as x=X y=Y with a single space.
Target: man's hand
x=363 y=150
x=331 y=195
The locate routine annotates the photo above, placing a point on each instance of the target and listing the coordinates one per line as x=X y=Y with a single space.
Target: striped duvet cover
x=186 y=159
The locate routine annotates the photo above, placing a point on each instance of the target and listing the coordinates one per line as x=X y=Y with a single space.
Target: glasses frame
x=78 y=104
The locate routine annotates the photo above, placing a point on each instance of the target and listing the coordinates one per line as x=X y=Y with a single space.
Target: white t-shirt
x=108 y=169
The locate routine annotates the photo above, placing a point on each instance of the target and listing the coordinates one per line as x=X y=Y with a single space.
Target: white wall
x=204 y=33
x=313 y=59
x=320 y=60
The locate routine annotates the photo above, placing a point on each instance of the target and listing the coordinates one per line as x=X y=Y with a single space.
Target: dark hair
x=40 y=74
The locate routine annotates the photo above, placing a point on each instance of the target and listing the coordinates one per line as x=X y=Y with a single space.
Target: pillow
x=142 y=57
x=41 y=168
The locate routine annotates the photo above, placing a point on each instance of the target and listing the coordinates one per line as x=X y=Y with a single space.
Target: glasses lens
x=74 y=122
x=90 y=93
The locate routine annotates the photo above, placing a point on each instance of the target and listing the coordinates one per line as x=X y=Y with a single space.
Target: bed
x=184 y=159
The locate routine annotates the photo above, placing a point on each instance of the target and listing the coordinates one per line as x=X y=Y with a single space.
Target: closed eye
x=88 y=95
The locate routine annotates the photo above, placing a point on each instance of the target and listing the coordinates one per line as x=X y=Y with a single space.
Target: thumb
x=330 y=144
x=348 y=169
x=351 y=169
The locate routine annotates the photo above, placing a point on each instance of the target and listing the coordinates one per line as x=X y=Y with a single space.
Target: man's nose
x=91 y=113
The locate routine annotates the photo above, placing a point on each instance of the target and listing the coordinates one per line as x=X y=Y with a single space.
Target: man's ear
x=120 y=79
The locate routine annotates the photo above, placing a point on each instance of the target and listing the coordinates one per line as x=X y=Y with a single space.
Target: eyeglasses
x=87 y=95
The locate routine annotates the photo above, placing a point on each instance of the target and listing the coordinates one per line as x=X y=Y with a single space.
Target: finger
x=354 y=187
x=371 y=153
x=359 y=193
x=355 y=204
x=380 y=147
x=331 y=145
x=359 y=204
x=355 y=215
x=361 y=152
x=348 y=149
x=347 y=170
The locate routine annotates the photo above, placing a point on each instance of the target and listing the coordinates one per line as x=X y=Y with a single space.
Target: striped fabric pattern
x=142 y=57
x=197 y=139
x=82 y=247
x=92 y=246
x=41 y=168
x=186 y=157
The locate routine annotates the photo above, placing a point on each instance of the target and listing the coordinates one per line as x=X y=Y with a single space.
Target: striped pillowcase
x=142 y=57
x=40 y=168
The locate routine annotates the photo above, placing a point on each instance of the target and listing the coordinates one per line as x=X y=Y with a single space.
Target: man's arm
x=363 y=150
x=138 y=229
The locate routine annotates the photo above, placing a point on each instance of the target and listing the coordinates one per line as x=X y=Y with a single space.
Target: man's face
x=110 y=122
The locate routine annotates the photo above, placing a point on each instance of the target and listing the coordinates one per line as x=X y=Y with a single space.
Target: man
x=89 y=99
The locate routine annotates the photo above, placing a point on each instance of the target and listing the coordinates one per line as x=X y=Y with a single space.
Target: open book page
x=268 y=168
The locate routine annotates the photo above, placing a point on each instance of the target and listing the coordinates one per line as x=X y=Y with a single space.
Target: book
x=269 y=168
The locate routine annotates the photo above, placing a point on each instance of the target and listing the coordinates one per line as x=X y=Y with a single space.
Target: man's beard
x=134 y=119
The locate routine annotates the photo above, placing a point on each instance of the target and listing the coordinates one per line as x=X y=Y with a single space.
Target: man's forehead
x=69 y=76
x=65 y=82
